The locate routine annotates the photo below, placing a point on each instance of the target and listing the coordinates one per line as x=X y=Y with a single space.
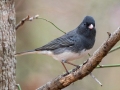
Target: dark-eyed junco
x=73 y=45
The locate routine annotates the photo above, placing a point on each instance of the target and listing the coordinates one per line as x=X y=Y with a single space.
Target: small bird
x=72 y=45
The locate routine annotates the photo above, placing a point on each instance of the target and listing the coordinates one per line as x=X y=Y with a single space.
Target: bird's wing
x=57 y=43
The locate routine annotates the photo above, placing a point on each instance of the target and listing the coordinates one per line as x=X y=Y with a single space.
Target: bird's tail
x=25 y=52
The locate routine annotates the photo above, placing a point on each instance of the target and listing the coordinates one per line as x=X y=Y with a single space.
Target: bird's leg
x=71 y=63
x=65 y=67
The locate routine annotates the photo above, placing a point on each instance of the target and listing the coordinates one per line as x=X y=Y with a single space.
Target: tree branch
x=28 y=18
x=22 y=22
x=63 y=81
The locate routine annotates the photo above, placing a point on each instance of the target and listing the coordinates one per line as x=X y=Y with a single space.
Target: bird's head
x=88 y=22
x=87 y=27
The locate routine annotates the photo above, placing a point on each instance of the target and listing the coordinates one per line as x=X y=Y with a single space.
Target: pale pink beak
x=91 y=26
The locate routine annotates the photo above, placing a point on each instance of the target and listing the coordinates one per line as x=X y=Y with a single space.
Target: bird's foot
x=77 y=66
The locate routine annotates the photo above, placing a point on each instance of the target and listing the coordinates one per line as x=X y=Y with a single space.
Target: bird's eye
x=84 y=23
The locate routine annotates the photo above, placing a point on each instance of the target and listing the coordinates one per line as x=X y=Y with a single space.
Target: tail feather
x=25 y=52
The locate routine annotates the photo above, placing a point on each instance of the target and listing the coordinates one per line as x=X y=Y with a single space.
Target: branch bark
x=63 y=81
x=7 y=45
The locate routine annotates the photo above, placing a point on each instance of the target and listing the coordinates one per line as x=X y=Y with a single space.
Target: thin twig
x=95 y=79
x=18 y=86
x=108 y=66
x=105 y=66
x=51 y=23
x=93 y=75
x=114 y=49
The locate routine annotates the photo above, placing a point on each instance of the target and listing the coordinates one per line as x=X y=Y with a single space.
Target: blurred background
x=35 y=70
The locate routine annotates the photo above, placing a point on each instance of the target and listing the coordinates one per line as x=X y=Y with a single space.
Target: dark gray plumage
x=72 y=45
x=75 y=41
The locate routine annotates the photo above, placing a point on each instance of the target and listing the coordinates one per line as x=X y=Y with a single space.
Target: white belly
x=66 y=55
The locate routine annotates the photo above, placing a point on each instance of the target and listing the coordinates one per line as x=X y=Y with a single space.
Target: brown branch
x=28 y=18
x=63 y=81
